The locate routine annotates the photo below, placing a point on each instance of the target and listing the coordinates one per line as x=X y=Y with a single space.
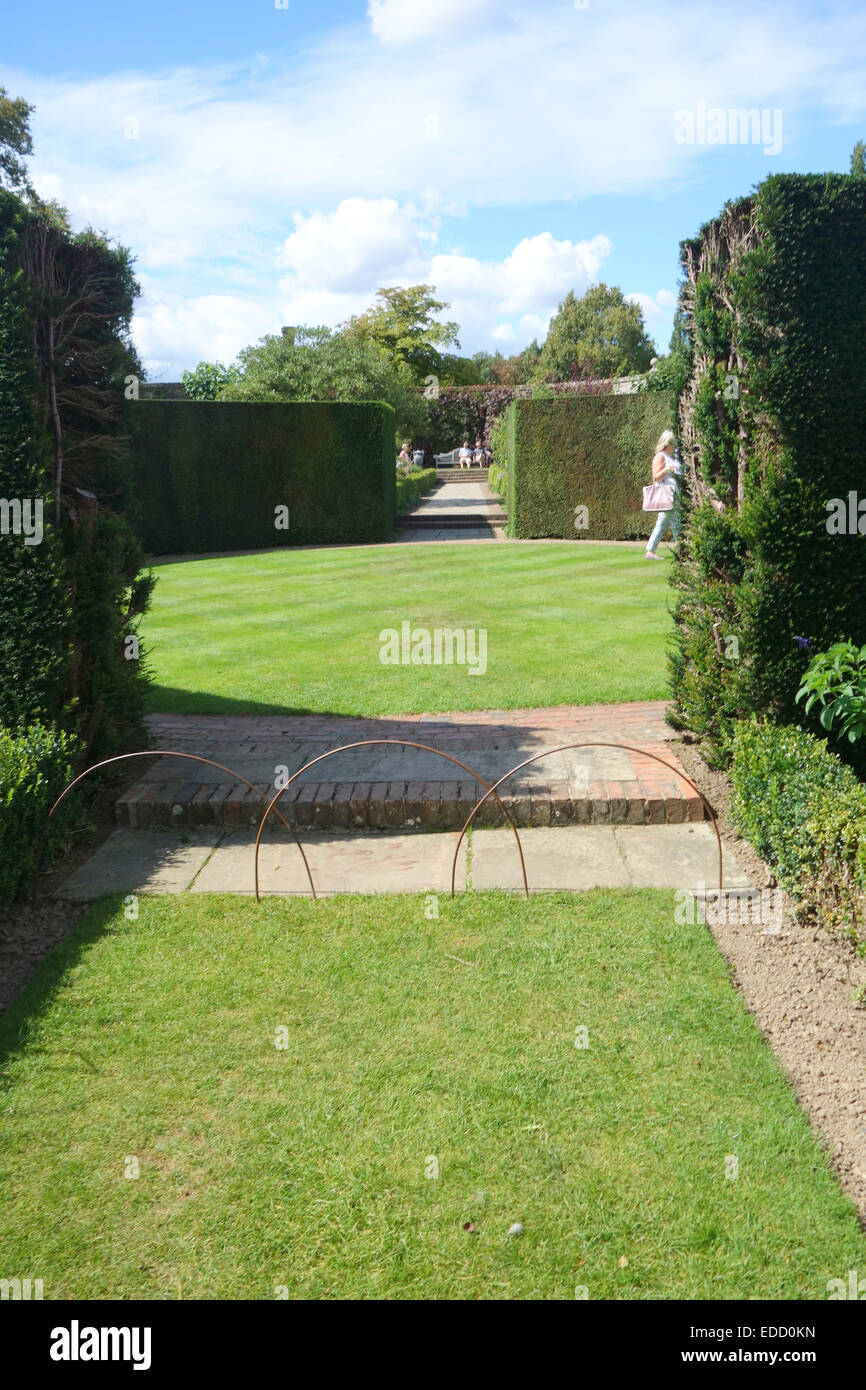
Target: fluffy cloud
x=404 y=21
x=200 y=170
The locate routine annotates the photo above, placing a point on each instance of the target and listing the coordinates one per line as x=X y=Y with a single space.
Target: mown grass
x=294 y=631
x=305 y=1167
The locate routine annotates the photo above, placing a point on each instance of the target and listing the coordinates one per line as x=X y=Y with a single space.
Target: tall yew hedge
x=238 y=475
x=70 y=602
x=591 y=451
x=772 y=427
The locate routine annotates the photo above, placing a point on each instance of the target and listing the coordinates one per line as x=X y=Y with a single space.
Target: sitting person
x=480 y=456
x=465 y=455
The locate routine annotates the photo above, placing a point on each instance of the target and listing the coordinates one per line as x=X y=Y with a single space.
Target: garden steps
x=383 y=787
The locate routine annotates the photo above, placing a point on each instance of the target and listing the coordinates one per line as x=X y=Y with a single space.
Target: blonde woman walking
x=666 y=470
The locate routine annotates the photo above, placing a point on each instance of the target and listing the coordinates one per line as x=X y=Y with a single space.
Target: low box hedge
x=411 y=487
x=804 y=811
x=211 y=474
x=35 y=766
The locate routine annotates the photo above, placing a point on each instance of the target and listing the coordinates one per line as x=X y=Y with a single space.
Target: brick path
x=394 y=787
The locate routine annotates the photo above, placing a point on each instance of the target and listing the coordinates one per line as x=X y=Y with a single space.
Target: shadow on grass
x=35 y=1000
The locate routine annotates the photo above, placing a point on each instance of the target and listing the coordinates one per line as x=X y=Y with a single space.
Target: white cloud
x=657 y=308
x=405 y=21
x=329 y=156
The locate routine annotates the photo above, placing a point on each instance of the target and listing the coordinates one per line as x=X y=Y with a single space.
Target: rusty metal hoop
x=401 y=743
x=162 y=753
x=566 y=747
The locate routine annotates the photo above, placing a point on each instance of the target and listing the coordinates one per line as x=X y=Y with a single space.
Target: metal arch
x=402 y=743
x=564 y=749
x=164 y=753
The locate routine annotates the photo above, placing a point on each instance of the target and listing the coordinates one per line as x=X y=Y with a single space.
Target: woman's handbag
x=658 y=497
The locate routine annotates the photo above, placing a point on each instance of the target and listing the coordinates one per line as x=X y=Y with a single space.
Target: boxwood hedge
x=804 y=811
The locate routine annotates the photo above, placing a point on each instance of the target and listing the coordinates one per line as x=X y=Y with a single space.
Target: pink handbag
x=658 y=497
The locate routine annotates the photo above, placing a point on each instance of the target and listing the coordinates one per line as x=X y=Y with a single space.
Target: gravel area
x=800 y=987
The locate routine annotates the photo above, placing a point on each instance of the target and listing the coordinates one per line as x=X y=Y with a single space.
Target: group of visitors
x=480 y=456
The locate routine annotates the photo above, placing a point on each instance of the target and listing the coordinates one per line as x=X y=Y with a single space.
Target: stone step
x=438 y=521
x=405 y=805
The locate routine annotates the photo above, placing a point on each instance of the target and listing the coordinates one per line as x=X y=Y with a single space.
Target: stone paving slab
x=389 y=785
x=135 y=861
x=573 y=858
x=565 y=860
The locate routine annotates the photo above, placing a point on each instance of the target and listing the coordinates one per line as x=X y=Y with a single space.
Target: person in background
x=465 y=455
x=404 y=458
x=666 y=469
x=479 y=457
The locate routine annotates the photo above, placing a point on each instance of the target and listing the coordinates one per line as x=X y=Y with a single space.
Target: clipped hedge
x=35 y=766
x=212 y=474
x=804 y=811
x=411 y=487
x=590 y=451
x=772 y=422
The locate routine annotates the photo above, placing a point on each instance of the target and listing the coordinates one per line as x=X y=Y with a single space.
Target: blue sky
x=277 y=165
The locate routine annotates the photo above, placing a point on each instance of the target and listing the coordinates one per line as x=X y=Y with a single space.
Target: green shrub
x=771 y=425
x=835 y=680
x=497 y=481
x=411 y=487
x=804 y=812
x=590 y=451
x=35 y=766
x=212 y=474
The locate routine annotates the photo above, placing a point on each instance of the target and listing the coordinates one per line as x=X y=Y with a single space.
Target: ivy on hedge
x=771 y=425
x=212 y=474
x=591 y=451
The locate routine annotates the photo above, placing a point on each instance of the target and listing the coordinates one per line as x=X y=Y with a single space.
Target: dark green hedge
x=772 y=425
x=804 y=811
x=35 y=766
x=592 y=451
x=210 y=474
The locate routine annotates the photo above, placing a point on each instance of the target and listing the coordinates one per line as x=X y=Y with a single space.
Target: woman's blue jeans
x=673 y=516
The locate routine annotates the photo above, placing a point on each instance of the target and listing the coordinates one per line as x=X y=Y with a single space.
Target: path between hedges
x=458 y=509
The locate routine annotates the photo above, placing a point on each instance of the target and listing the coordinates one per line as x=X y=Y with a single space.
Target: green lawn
x=306 y=1166
x=299 y=630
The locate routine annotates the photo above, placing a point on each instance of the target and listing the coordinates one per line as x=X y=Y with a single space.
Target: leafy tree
x=207 y=381
x=15 y=141
x=324 y=365
x=401 y=322
x=601 y=332
x=858 y=159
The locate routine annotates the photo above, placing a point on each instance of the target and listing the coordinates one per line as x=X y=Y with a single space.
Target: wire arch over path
x=564 y=748
x=400 y=743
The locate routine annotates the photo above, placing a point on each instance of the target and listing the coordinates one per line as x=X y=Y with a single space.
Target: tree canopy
x=15 y=141
x=601 y=332
x=401 y=322
x=322 y=364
